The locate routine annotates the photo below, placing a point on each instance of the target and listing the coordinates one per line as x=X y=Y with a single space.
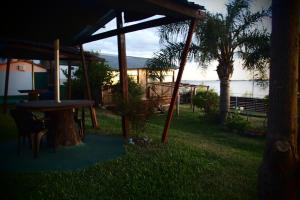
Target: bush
x=236 y=123
x=99 y=73
x=137 y=110
x=207 y=100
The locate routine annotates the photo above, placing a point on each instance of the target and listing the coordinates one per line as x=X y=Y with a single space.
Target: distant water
x=237 y=88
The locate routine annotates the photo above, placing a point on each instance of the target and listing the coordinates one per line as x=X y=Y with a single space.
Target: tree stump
x=62 y=128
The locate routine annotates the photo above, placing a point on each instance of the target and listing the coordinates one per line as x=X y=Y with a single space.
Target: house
x=137 y=70
x=20 y=77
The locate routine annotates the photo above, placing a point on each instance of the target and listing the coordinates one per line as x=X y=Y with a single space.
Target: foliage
x=160 y=64
x=137 y=110
x=206 y=100
x=266 y=101
x=135 y=90
x=223 y=37
x=99 y=74
x=236 y=123
x=220 y=36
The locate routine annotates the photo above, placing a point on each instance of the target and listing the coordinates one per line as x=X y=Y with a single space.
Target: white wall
x=17 y=81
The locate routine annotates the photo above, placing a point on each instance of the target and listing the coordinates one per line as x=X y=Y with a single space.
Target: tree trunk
x=62 y=129
x=224 y=99
x=279 y=172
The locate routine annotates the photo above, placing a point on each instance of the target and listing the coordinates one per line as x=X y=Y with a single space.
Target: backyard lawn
x=201 y=161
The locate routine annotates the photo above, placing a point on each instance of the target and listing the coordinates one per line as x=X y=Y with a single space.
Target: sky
x=146 y=42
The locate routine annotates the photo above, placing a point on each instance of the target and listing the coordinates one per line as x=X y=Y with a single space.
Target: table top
x=51 y=105
x=31 y=91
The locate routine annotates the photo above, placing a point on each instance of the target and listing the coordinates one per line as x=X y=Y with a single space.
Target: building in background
x=20 y=77
x=137 y=71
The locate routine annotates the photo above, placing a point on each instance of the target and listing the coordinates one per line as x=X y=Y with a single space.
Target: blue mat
x=94 y=149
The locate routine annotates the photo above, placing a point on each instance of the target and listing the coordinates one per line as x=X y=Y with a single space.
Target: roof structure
x=41 y=51
x=74 y=22
x=132 y=61
x=26 y=61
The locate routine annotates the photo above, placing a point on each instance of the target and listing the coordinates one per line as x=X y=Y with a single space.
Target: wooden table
x=32 y=94
x=62 y=127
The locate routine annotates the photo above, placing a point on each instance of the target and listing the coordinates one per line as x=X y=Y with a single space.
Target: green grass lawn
x=201 y=161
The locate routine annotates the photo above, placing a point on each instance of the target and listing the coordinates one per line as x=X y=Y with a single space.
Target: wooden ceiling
x=74 y=22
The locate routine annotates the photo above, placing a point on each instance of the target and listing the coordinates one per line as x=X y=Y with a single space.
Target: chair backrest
x=24 y=121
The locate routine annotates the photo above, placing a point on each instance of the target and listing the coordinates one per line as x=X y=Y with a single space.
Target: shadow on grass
x=191 y=123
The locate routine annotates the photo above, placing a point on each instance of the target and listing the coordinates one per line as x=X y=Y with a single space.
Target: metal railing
x=248 y=104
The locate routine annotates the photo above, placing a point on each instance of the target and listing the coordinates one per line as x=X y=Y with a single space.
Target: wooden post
x=123 y=72
x=57 y=71
x=138 y=76
x=177 y=104
x=178 y=80
x=173 y=76
x=194 y=93
x=279 y=174
x=88 y=89
x=69 y=81
x=6 y=86
x=32 y=76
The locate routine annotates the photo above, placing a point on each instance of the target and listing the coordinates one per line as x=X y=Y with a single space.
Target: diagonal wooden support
x=184 y=55
x=123 y=71
x=88 y=89
x=6 y=86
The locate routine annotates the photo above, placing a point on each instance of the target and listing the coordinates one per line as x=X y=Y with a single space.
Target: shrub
x=206 y=100
x=136 y=109
x=99 y=73
x=236 y=123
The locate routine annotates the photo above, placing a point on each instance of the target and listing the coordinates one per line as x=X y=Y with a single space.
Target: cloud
x=139 y=43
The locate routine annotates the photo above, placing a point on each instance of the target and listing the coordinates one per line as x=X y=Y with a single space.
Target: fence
x=249 y=104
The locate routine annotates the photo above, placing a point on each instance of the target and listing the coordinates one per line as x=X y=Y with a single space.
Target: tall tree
x=223 y=37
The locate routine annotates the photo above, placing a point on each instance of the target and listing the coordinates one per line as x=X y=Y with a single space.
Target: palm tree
x=223 y=37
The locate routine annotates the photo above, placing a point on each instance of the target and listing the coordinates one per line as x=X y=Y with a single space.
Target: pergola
x=60 y=23
x=72 y=23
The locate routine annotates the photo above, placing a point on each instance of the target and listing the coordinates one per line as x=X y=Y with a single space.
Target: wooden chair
x=29 y=127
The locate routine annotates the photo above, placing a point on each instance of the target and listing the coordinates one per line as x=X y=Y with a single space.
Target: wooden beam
x=69 y=81
x=5 y=106
x=138 y=76
x=32 y=76
x=178 y=80
x=40 y=51
x=177 y=8
x=177 y=104
x=131 y=28
x=56 y=71
x=173 y=76
x=85 y=74
x=123 y=71
x=194 y=93
x=88 y=89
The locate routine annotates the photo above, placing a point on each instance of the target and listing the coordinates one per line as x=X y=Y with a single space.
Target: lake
x=241 y=88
